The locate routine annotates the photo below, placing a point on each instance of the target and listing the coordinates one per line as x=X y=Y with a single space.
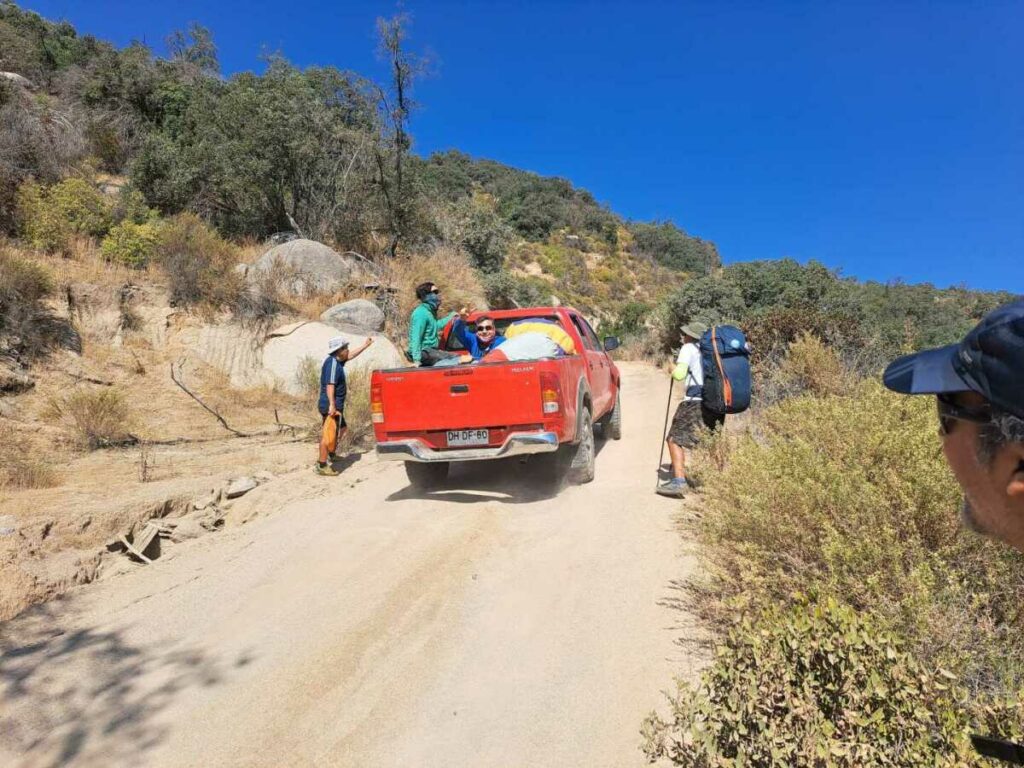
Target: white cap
x=338 y=342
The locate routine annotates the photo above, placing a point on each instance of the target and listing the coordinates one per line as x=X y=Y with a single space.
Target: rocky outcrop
x=288 y=349
x=304 y=267
x=355 y=314
x=16 y=79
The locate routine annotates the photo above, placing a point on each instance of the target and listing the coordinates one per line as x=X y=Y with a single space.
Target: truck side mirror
x=610 y=343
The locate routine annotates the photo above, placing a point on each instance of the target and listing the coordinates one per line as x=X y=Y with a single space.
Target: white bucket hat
x=338 y=342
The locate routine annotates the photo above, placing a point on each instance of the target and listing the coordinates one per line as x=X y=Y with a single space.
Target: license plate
x=468 y=437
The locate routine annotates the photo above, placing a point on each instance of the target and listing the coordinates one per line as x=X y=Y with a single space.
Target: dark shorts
x=686 y=424
x=339 y=416
x=429 y=357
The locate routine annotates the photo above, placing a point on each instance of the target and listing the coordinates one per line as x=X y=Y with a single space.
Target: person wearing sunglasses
x=483 y=339
x=978 y=385
x=425 y=327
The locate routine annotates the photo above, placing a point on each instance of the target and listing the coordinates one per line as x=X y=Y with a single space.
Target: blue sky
x=883 y=139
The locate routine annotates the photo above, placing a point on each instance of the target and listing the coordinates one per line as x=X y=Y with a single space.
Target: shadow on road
x=506 y=481
x=88 y=696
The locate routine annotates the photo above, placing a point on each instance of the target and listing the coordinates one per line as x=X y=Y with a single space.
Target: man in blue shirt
x=484 y=338
x=333 y=389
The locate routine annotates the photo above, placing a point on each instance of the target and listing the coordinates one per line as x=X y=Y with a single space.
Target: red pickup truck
x=431 y=417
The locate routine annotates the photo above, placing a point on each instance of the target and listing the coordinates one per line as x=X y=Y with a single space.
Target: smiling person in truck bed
x=484 y=338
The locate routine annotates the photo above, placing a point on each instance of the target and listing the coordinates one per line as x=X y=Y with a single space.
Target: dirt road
x=483 y=625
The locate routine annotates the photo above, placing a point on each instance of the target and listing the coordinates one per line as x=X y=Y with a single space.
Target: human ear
x=1015 y=489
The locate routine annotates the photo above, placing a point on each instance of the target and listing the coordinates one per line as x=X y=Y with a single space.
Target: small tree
x=394 y=141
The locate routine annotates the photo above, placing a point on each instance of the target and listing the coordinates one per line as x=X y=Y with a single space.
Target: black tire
x=611 y=426
x=581 y=468
x=426 y=475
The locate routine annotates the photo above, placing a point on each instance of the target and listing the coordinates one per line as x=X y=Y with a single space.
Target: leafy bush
x=484 y=235
x=506 y=291
x=849 y=496
x=99 y=418
x=131 y=244
x=199 y=263
x=50 y=216
x=667 y=244
x=130 y=205
x=816 y=685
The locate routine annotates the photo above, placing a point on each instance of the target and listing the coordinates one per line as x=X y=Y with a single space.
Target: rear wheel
x=426 y=475
x=581 y=470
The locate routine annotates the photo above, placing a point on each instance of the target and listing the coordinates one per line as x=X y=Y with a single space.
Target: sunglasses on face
x=950 y=413
x=484 y=328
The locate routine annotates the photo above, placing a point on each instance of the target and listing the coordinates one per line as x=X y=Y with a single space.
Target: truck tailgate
x=423 y=399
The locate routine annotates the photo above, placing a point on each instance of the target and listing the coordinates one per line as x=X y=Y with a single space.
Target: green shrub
x=39 y=223
x=48 y=217
x=505 y=291
x=815 y=685
x=199 y=263
x=130 y=205
x=849 y=496
x=83 y=206
x=131 y=244
x=483 y=233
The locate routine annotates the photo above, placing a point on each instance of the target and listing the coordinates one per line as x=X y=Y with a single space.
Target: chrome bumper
x=516 y=444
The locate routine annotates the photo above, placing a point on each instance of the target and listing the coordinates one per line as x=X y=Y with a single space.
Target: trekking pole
x=664 y=428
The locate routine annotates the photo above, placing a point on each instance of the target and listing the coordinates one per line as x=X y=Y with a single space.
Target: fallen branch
x=90 y=379
x=282 y=426
x=207 y=408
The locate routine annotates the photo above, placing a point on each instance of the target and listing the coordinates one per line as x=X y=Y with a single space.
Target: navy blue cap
x=989 y=361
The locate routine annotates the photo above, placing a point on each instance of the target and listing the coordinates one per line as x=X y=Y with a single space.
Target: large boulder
x=289 y=351
x=308 y=267
x=360 y=314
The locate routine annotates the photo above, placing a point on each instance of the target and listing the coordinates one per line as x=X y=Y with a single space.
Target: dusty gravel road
x=484 y=625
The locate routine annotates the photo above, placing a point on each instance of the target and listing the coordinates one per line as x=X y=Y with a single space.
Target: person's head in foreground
x=979 y=389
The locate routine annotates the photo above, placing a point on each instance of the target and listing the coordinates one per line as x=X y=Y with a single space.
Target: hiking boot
x=676 y=488
x=327 y=470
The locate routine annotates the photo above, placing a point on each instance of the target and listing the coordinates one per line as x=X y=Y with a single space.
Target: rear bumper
x=516 y=444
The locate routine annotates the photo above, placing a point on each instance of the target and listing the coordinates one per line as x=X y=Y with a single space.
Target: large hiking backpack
x=725 y=356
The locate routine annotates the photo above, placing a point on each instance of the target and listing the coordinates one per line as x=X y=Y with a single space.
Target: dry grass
x=22 y=464
x=98 y=418
x=313 y=304
x=357 y=409
x=449 y=267
x=249 y=249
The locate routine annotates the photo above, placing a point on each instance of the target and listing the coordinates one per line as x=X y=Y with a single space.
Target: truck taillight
x=376 y=405
x=550 y=392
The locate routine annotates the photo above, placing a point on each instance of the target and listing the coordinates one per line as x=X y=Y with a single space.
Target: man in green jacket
x=425 y=327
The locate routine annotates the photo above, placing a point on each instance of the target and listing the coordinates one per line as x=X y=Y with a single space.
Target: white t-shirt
x=689 y=356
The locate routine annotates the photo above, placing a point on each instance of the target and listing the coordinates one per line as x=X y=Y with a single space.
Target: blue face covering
x=433 y=300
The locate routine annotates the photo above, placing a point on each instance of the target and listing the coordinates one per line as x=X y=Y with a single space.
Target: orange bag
x=329 y=434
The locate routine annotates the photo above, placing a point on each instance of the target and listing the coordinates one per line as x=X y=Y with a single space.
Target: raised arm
x=357 y=352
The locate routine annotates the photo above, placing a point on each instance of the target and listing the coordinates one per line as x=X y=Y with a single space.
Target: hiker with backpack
x=714 y=364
